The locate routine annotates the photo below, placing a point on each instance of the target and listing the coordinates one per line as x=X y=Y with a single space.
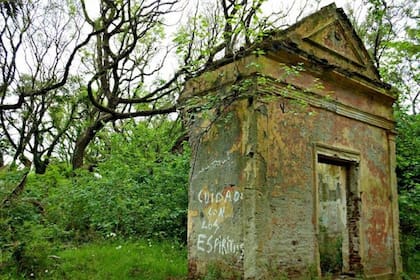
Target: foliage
x=390 y=30
x=23 y=242
x=408 y=173
x=139 y=188
x=330 y=252
x=137 y=191
x=141 y=259
x=408 y=151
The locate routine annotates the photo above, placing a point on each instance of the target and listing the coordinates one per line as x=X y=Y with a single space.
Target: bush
x=138 y=190
x=24 y=242
x=408 y=173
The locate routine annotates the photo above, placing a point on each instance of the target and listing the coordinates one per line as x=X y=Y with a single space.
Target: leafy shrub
x=24 y=242
x=140 y=259
x=408 y=174
x=138 y=190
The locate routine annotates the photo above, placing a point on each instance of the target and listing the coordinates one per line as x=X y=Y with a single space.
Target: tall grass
x=117 y=260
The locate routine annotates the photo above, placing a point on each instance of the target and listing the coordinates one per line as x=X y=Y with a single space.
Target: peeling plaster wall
x=289 y=150
x=253 y=192
x=216 y=197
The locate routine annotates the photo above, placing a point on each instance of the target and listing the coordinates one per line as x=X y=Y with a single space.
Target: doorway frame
x=350 y=159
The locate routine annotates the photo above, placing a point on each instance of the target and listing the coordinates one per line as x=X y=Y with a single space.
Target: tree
x=41 y=37
x=391 y=33
x=43 y=123
x=126 y=54
x=128 y=60
x=39 y=43
x=123 y=60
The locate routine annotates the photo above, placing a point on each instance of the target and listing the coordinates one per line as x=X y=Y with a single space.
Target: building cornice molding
x=275 y=88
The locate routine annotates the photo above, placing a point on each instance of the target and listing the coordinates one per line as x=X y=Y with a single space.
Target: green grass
x=119 y=260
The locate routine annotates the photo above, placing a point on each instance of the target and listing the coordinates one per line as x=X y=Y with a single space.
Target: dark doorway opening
x=338 y=216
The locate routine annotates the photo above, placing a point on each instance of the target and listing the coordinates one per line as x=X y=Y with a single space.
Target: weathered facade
x=293 y=162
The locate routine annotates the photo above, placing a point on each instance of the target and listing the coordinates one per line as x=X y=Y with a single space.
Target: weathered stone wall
x=216 y=197
x=289 y=231
x=260 y=126
x=252 y=195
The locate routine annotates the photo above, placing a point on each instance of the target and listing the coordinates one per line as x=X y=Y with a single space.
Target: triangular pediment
x=328 y=35
x=333 y=38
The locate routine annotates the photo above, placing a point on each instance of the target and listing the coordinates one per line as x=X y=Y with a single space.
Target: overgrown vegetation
x=137 y=191
x=141 y=259
x=330 y=252
x=408 y=173
x=79 y=163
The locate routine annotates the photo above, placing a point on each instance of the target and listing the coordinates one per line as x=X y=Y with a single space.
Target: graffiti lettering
x=216 y=212
x=217 y=208
x=206 y=197
x=222 y=245
x=210 y=226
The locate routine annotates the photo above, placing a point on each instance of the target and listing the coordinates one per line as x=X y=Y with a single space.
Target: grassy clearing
x=123 y=260
x=118 y=260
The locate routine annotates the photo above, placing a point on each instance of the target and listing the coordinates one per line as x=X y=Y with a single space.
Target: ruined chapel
x=293 y=165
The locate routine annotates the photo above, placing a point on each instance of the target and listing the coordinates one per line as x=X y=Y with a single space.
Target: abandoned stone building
x=292 y=173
